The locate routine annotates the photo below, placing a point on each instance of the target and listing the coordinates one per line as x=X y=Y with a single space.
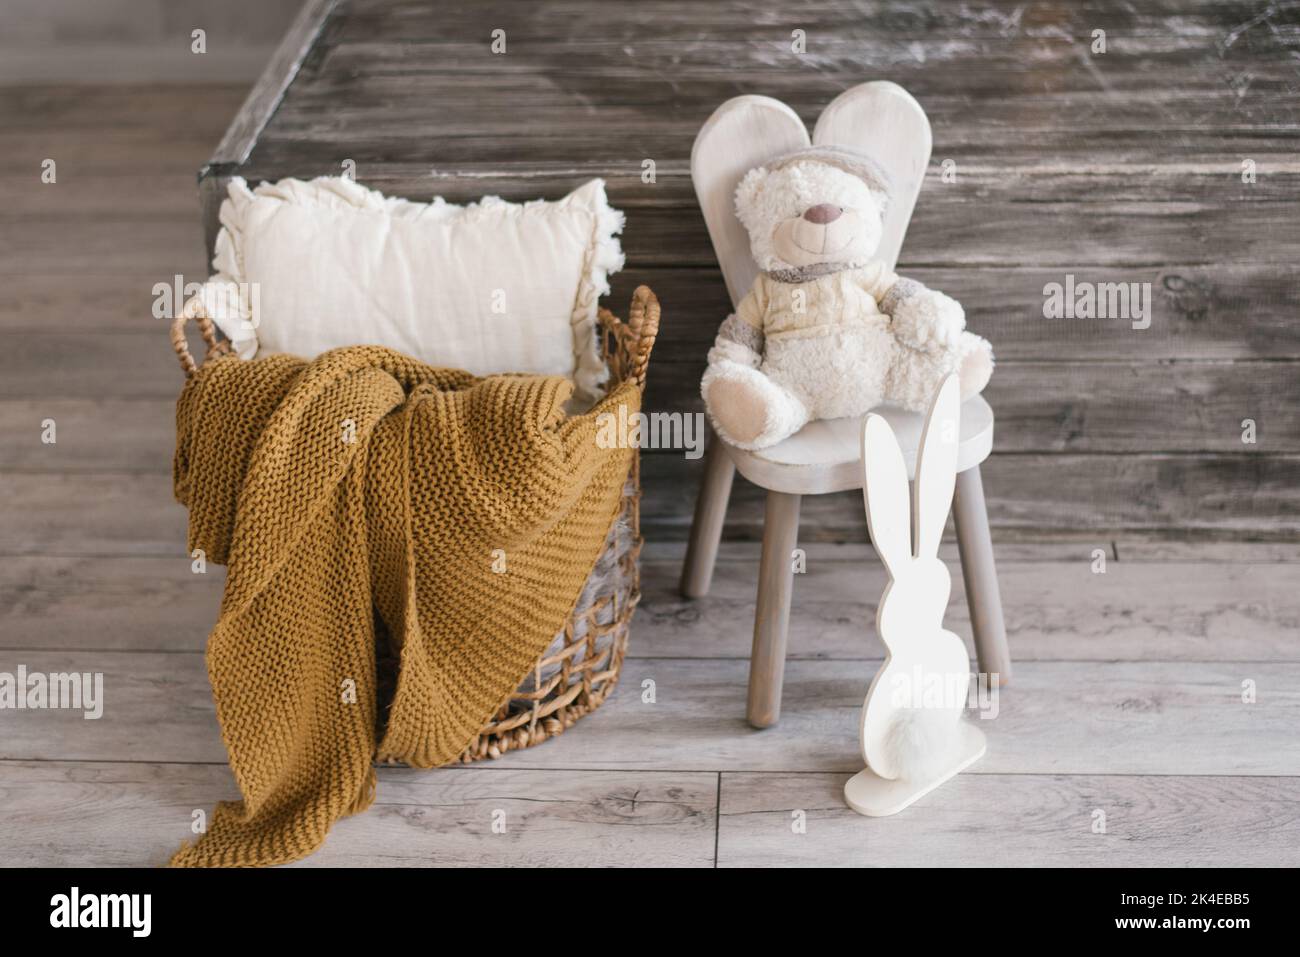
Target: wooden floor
x=1127 y=698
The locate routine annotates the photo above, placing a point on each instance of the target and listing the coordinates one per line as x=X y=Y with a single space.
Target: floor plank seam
x=717 y=820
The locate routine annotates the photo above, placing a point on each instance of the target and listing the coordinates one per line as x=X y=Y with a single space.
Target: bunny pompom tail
x=921 y=742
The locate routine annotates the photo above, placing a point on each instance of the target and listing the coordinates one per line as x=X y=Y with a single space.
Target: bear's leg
x=834 y=375
x=748 y=409
x=915 y=375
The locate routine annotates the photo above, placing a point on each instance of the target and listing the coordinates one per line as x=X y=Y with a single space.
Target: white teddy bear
x=826 y=332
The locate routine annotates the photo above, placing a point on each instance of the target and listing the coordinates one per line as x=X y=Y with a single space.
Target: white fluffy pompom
x=921 y=741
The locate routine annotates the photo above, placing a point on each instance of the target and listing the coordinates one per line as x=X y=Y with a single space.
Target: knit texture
x=364 y=484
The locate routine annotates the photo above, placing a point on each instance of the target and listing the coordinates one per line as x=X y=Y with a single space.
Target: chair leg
x=772 y=611
x=981 y=576
x=706 y=527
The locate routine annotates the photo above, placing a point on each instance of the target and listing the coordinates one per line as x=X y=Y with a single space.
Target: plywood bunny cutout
x=912 y=732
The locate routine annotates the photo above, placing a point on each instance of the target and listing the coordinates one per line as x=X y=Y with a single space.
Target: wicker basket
x=581 y=666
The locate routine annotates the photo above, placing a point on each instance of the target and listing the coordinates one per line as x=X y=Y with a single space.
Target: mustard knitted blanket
x=365 y=483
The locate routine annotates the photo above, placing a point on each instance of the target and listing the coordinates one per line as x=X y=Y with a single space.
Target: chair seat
x=826 y=455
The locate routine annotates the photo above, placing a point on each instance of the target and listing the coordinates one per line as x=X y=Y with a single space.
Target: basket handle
x=642 y=329
x=215 y=348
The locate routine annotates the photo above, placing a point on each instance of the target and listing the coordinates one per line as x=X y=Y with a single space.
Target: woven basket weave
x=581 y=666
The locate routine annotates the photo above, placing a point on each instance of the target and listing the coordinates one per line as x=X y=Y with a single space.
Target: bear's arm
x=740 y=337
x=921 y=317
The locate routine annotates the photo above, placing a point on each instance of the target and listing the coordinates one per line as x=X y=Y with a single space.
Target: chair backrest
x=878 y=119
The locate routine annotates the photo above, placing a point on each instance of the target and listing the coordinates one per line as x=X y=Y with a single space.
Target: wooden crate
x=1122 y=166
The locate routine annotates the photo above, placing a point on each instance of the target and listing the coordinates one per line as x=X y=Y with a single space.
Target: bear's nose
x=822 y=213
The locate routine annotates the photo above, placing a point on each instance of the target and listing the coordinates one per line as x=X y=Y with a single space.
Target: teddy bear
x=826 y=331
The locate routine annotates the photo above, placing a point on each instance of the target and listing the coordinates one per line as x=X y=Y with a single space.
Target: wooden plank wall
x=1116 y=166
x=138 y=41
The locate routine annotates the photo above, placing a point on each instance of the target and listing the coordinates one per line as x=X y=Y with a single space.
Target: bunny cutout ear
x=896 y=520
x=936 y=467
x=884 y=492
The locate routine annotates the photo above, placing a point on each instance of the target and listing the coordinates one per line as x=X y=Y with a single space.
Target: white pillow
x=304 y=267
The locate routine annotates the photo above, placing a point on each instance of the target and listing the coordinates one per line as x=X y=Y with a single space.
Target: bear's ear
x=749 y=194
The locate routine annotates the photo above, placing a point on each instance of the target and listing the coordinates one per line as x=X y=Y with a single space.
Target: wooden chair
x=882 y=120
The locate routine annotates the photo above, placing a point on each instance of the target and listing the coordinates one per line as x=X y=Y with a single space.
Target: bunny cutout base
x=870 y=794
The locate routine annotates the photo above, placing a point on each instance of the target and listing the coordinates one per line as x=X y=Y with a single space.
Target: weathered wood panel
x=122 y=302
x=128 y=604
x=134 y=245
x=126 y=435
x=1210 y=19
x=100 y=153
x=1167 y=550
x=1117 y=166
x=1210 y=605
x=982 y=820
x=1059 y=717
x=267 y=92
x=997 y=233
x=95 y=109
x=71 y=364
x=1072 y=717
x=262 y=102
x=1253 y=496
x=1202 y=607
x=80 y=195
x=111 y=385
x=139 y=41
x=1070 y=237
x=137 y=814
x=632 y=102
x=96 y=514
x=551 y=818
x=1107 y=406
x=1242 y=495
x=1060 y=548
x=1216 y=311
x=1107 y=174
x=1055 y=610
